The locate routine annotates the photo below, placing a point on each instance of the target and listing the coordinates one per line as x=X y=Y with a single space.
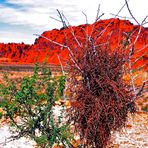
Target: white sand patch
x=20 y=143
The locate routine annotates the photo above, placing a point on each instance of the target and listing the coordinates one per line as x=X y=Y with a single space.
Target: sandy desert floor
x=134 y=135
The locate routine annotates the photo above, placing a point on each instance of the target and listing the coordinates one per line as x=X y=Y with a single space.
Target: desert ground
x=134 y=135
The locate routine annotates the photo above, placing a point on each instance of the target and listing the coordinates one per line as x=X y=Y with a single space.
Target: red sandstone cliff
x=113 y=31
x=12 y=52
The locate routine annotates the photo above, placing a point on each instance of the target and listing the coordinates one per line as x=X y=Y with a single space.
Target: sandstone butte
x=113 y=31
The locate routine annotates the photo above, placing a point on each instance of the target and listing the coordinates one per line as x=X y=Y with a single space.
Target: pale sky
x=20 y=19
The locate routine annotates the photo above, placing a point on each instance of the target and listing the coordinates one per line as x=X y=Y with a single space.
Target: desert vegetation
x=106 y=75
x=29 y=108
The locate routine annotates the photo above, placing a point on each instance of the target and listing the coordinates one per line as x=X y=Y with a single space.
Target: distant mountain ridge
x=110 y=30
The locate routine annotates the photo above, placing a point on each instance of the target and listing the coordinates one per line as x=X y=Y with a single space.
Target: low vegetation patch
x=29 y=108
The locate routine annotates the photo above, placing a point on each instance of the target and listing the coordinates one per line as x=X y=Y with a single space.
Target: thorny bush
x=100 y=100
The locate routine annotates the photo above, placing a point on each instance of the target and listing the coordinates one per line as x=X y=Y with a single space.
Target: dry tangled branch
x=100 y=98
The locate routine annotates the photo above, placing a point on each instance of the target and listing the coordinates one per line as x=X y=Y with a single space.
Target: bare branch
x=100 y=16
x=140 y=91
x=131 y=12
x=137 y=76
x=97 y=18
x=72 y=31
x=62 y=20
x=85 y=17
x=86 y=33
x=103 y=31
x=55 y=19
x=61 y=65
x=64 y=46
x=139 y=58
x=144 y=21
x=120 y=10
x=139 y=68
x=98 y=11
x=61 y=45
x=142 y=48
x=124 y=17
x=130 y=62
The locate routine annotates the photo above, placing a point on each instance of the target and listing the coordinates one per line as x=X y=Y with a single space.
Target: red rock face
x=112 y=31
x=12 y=52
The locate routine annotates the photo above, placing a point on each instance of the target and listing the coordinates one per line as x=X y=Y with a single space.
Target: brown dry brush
x=99 y=97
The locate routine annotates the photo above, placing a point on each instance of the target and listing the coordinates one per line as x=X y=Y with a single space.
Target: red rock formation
x=112 y=31
x=12 y=52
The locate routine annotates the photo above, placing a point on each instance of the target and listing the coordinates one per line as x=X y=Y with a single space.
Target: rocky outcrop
x=12 y=52
x=111 y=31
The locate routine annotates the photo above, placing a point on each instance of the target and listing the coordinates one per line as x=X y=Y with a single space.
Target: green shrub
x=33 y=102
